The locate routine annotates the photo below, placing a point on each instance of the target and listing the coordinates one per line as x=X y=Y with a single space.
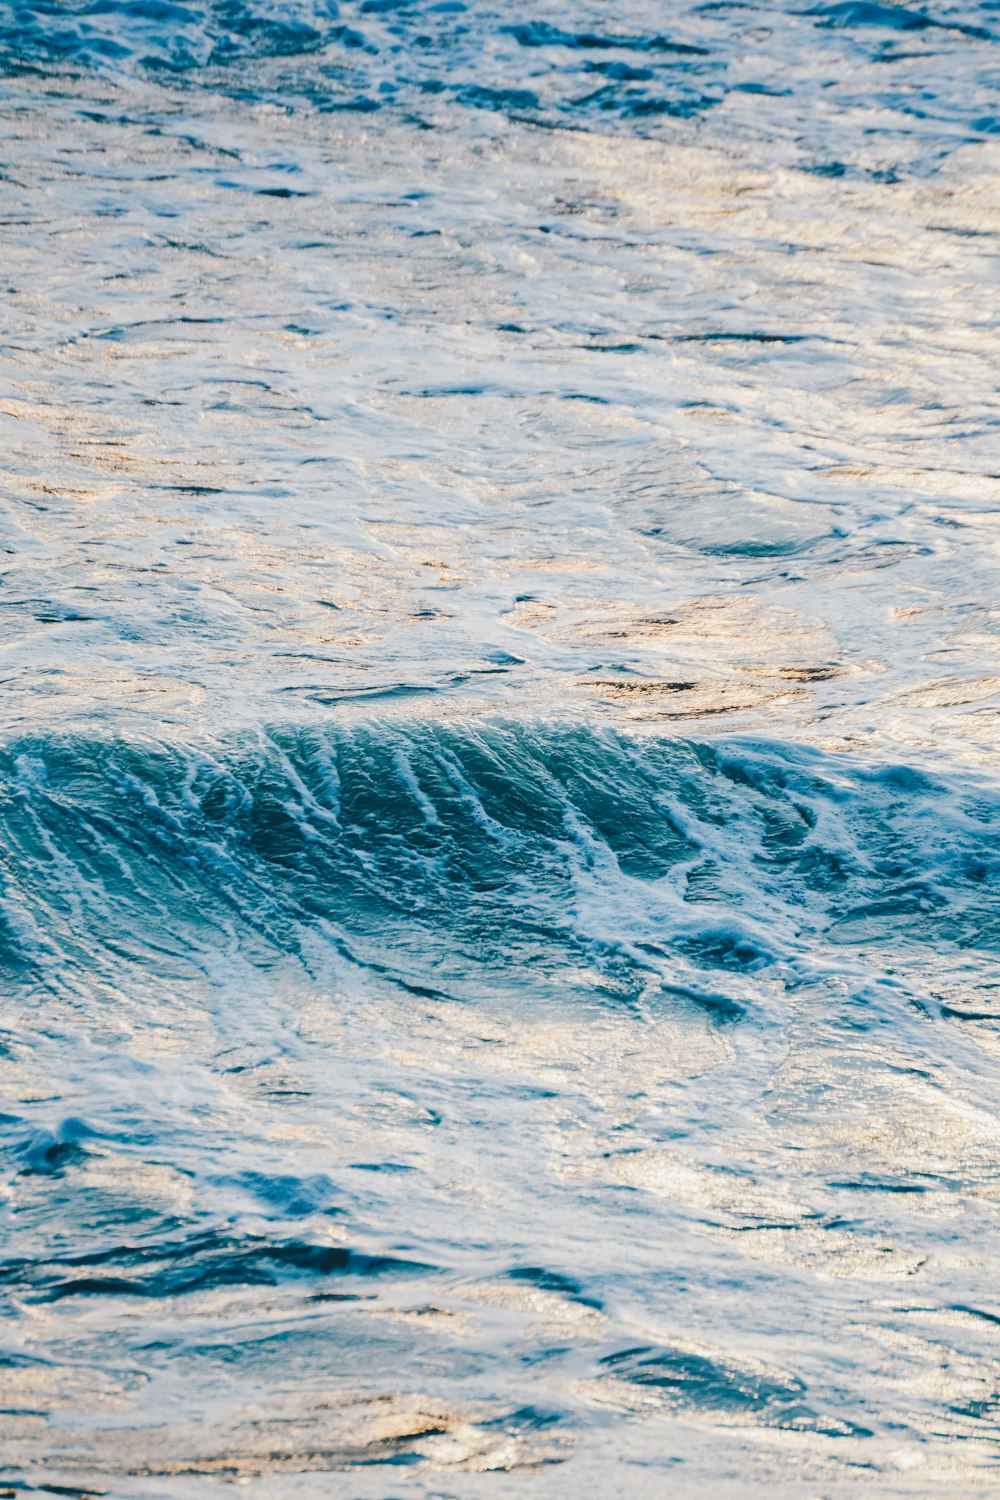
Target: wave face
x=458 y=861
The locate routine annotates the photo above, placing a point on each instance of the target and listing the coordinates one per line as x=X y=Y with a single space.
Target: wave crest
x=463 y=859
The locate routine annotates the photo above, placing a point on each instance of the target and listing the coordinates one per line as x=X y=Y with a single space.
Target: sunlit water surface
x=499 y=872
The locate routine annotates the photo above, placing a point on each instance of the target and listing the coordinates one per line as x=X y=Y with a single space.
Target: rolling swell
x=424 y=59
x=366 y=56
x=473 y=859
x=197 y=1262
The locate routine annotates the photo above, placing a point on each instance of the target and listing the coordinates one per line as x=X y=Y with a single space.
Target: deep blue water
x=499 y=810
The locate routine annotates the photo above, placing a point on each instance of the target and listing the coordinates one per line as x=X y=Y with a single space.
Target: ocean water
x=499 y=809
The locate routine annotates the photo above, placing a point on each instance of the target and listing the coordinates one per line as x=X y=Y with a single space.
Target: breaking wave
x=457 y=860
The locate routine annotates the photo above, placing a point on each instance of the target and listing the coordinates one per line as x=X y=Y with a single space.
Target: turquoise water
x=499 y=892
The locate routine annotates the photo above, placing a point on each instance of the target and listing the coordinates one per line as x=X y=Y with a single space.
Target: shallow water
x=499 y=890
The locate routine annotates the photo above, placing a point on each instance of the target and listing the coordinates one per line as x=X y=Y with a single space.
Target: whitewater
x=499 y=800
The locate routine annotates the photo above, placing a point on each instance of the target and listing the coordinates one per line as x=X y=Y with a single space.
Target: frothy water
x=499 y=891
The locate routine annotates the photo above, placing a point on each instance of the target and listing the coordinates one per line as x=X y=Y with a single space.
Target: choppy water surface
x=499 y=871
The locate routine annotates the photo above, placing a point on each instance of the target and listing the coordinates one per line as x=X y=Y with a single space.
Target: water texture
x=499 y=810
